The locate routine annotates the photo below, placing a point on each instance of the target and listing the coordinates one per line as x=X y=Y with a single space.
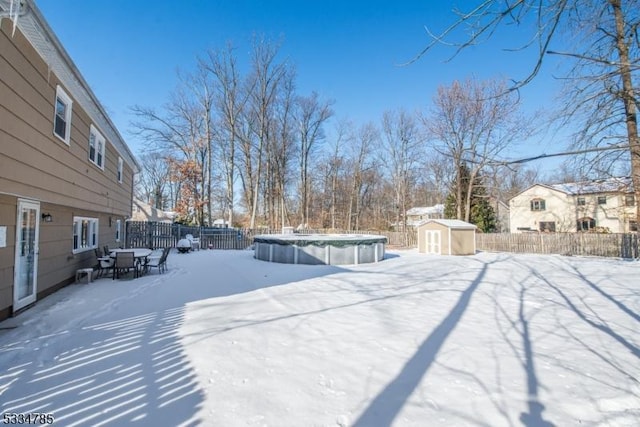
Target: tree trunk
x=628 y=98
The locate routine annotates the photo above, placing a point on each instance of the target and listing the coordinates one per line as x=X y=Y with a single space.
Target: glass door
x=26 y=265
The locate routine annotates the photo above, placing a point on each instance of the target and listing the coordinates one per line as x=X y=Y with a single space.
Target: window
x=548 y=226
x=537 y=205
x=96 y=147
x=602 y=200
x=120 y=169
x=85 y=234
x=581 y=201
x=629 y=200
x=633 y=225
x=585 y=224
x=62 y=119
x=100 y=161
x=118 y=229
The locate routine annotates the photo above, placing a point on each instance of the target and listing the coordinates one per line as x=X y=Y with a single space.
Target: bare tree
x=505 y=182
x=230 y=104
x=264 y=80
x=331 y=172
x=201 y=88
x=601 y=86
x=361 y=164
x=281 y=149
x=401 y=150
x=153 y=180
x=472 y=124
x=312 y=114
x=180 y=131
x=436 y=172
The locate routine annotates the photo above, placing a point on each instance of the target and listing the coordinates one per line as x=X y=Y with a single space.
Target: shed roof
x=451 y=223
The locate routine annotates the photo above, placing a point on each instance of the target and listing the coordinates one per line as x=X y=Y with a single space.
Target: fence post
x=149 y=235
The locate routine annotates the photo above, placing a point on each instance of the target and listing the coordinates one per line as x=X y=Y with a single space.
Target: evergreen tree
x=450 y=206
x=482 y=214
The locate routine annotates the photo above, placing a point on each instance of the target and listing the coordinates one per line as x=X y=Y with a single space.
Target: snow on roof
x=610 y=185
x=426 y=210
x=451 y=223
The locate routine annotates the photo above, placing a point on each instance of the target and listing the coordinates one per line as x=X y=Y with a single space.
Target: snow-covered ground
x=223 y=339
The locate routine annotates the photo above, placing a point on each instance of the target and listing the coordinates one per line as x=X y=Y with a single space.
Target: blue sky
x=348 y=51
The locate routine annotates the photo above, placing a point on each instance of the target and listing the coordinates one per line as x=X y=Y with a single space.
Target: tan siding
x=56 y=261
x=34 y=70
x=446 y=241
x=8 y=214
x=462 y=242
x=38 y=164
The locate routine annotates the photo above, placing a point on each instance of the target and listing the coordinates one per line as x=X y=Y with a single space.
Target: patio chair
x=105 y=263
x=159 y=262
x=144 y=263
x=125 y=262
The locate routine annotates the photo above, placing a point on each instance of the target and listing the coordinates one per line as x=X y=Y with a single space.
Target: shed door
x=433 y=242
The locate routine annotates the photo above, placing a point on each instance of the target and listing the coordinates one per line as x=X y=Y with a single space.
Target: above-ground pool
x=332 y=249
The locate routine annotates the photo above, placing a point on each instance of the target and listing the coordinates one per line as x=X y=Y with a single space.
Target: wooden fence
x=160 y=235
x=142 y=234
x=604 y=245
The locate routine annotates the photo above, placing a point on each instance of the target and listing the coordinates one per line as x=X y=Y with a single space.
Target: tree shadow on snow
x=385 y=407
x=534 y=418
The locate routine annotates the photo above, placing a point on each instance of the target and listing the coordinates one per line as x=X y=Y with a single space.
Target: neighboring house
x=145 y=212
x=501 y=210
x=581 y=206
x=66 y=174
x=222 y=223
x=419 y=214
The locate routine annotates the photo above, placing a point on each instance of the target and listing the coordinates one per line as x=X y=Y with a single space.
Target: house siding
x=37 y=165
x=563 y=209
x=7 y=253
x=36 y=162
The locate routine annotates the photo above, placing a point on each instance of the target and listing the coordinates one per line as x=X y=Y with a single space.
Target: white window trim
x=98 y=139
x=62 y=95
x=537 y=205
x=118 y=229
x=92 y=234
x=120 y=169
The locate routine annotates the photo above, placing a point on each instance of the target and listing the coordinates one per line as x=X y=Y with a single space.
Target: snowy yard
x=223 y=339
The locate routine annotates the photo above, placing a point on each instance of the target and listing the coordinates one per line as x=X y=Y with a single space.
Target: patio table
x=140 y=255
